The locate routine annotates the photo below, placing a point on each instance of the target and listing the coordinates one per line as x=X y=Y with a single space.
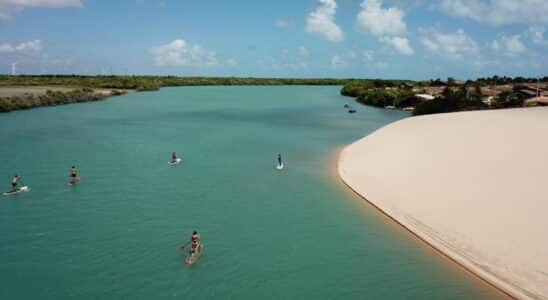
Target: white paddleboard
x=280 y=167
x=176 y=162
x=19 y=190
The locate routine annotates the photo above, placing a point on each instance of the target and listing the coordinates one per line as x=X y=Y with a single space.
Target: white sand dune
x=474 y=185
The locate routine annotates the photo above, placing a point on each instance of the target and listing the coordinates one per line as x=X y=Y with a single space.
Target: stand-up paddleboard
x=176 y=162
x=19 y=190
x=280 y=166
x=193 y=258
x=74 y=181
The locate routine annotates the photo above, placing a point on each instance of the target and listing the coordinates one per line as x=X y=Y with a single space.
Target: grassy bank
x=52 y=98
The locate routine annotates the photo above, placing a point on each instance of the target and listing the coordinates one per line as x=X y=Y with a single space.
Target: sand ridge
x=471 y=184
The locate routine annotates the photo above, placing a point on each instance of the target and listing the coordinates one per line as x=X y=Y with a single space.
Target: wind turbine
x=13 y=65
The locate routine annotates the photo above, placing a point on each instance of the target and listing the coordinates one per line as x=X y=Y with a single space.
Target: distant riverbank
x=26 y=97
x=28 y=91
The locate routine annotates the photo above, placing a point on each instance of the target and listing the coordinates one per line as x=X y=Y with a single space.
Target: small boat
x=192 y=258
x=346 y=105
x=390 y=107
x=351 y=111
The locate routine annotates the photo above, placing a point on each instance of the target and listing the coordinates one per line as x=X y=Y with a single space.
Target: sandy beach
x=471 y=184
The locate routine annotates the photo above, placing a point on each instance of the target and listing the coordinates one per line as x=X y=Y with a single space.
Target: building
x=536 y=101
x=425 y=97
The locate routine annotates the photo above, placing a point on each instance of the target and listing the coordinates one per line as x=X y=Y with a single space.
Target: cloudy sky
x=284 y=38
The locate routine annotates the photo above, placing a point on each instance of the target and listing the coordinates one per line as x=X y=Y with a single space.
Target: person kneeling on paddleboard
x=14 y=183
x=195 y=242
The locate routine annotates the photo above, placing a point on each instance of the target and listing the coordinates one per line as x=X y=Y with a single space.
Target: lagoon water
x=294 y=234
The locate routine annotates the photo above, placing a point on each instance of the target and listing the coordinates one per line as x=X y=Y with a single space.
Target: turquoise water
x=294 y=234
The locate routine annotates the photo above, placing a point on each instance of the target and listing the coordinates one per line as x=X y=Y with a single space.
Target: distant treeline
x=374 y=92
x=84 y=85
x=461 y=99
x=142 y=83
x=51 y=98
x=507 y=80
x=456 y=96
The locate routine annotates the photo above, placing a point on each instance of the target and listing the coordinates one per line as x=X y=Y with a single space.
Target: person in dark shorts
x=14 y=183
x=173 y=157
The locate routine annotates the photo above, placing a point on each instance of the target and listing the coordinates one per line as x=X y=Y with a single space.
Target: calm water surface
x=295 y=234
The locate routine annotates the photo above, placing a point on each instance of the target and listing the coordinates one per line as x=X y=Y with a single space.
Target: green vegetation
x=147 y=83
x=464 y=99
x=84 y=86
x=52 y=98
x=382 y=97
x=451 y=95
x=453 y=99
x=376 y=92
x=509 y=80
x=357 y=88
x=380 y=93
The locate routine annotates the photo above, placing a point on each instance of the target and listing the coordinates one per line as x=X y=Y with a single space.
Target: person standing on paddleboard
x=73 y=173
x=279 y=159
x=173 y=157
x=73 y=176
x=14 y=183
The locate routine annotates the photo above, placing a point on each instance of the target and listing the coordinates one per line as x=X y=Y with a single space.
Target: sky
x=415 y=39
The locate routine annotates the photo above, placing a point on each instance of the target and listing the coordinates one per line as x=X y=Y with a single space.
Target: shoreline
x=432 y=245
x=447 y=246
x=334 y=171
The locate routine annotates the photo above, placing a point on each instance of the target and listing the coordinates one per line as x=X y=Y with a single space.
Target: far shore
x=20 y=91
x=471 y=184
x=33 y=96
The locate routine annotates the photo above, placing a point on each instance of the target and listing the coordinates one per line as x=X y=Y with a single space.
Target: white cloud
x=337 y=62
x=322 y=21
x=351 y=54
x=180 y=53
x=537 y=35
x=232 y=62
x=399 y=43
x=368 y=55
x=35 y=45
x=381 y=21
x=498 y=12
x=509 y=45
x=454 y=46
x=282 y=23
x=303 y=51
x=25 y=47
x=9 y=7
x=385 y=23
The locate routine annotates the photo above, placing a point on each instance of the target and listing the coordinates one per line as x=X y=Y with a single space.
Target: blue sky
x=285 y=38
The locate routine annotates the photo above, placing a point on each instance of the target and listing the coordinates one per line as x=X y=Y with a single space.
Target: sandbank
x=471 y=184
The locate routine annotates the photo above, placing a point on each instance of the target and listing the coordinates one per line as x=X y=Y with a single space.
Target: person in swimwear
x=14 y=183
